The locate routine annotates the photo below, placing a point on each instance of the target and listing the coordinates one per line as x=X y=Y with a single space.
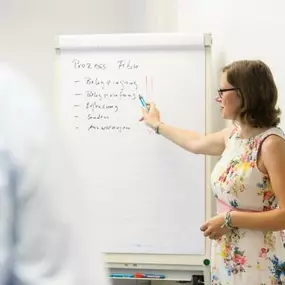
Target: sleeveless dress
x=244 y=256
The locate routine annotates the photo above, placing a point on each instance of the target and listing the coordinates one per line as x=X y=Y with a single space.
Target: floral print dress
x=244 y=256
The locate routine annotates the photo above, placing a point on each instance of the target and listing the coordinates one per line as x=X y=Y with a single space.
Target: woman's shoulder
x=272 y=134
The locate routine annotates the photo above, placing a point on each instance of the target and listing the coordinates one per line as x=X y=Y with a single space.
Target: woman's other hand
x=213 y=227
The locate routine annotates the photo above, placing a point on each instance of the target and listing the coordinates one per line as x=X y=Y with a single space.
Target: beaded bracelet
x=228 y=223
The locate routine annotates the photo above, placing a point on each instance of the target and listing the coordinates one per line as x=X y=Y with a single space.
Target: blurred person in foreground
x=39 y=242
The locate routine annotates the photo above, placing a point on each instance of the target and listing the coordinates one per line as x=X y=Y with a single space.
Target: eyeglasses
x=221 y=91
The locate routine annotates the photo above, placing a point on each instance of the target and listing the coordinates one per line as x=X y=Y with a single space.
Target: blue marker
x=143 y=102
x=121 y=275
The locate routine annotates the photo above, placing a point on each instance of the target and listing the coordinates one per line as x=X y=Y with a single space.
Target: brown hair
x=257 y=90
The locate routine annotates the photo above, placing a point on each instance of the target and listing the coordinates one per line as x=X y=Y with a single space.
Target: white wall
x=160 y=16
x=241 y=30
x=28 y=28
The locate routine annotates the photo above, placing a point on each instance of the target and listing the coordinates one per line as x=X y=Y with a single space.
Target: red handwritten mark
x=150 y=131
x=146 y=85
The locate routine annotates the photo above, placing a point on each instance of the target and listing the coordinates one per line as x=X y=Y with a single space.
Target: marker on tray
x=146 y=275
x=121 y=275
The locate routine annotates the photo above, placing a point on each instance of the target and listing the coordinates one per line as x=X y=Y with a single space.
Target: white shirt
x=38 y=244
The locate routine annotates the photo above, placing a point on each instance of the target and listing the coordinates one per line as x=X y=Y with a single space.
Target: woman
x=249 y=179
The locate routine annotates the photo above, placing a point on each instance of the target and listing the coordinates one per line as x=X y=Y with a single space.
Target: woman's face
x=228 y=99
